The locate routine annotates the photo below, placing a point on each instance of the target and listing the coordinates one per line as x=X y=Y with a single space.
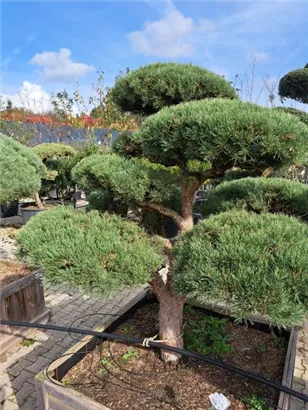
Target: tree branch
x=162 y=210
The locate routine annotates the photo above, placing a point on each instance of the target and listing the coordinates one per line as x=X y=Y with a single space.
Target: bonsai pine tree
x=294 y=85
x=57 y=158
x=197 y=131
x=21 y=170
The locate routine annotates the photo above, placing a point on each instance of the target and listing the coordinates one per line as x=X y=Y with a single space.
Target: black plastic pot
x=197 y=218
x=9 y=210
x=76 y=195
x=52 y=194
x=28 y=213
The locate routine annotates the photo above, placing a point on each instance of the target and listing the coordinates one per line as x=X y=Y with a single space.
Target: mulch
x=11 y=271
x=142 y=382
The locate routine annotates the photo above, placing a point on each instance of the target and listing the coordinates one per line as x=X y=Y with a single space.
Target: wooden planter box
x=22 y=300
x=53 y=395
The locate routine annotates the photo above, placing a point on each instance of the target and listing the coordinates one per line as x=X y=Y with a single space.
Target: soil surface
x=36 y=208
x=11 y=271
x=120 y=376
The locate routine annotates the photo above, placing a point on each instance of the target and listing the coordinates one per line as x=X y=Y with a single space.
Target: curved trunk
x=170 y=319
x=38 y=201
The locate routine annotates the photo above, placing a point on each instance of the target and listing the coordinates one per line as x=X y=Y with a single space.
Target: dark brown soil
x=11 y=271
x=139 y=380
x=36 y=208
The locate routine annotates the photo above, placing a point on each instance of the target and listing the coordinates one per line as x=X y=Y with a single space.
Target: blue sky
x=48 y=46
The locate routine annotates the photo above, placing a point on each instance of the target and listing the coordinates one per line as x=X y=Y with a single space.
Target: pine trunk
x=38 y=201
x=170 y=320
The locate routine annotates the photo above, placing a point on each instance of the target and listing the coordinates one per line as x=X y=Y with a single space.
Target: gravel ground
x=8 y=230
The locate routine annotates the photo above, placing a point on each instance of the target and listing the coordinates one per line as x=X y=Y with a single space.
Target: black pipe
x=138 y=341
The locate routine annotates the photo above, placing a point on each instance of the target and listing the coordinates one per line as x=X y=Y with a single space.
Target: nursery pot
x=53 y=194
x=8 y=210
x=201 y=194
x=27 y=213
x=197 y=218
x=76 y=195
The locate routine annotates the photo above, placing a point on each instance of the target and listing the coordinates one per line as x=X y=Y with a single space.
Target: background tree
x=176 y=150
x=294 y=85
x=52 y=155
x=21 y=170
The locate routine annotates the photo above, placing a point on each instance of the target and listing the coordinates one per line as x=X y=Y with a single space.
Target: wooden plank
x=57 y=404
x=284 y=398
x=4 y=328
x=22 y=300
x=12 y=336
x=60 y=397
x=17 y=285
x=42 y=401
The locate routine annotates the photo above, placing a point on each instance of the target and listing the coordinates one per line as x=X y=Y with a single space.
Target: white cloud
x=34 y=98
x=168 y=37
x=251 y=26
x=31 y=97
x=260 y=56
x=58 y=65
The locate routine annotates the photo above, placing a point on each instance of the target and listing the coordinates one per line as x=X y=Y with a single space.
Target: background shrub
x=301 y=115
x=51 y=150
x=21 y=170
x=154 y=86
x=97 y=253
x=256 y=263
x=275 y=195
x=62 y=167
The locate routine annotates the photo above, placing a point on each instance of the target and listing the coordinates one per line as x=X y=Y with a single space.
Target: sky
x=48 y=46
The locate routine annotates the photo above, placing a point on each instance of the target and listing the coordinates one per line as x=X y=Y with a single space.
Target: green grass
x=27 y=342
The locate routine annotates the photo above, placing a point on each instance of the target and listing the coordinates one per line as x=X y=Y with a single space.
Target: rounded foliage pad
x=97 y=253
x=260 y=195
x=152 y=87
x=50 y=150
x=21 y=170
x=257 y=264
x=301 y=115
x=223 y=133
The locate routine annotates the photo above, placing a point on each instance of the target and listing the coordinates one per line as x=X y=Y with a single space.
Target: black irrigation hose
x=138 y=341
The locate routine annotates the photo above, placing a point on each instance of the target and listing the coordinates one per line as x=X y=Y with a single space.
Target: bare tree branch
x=176 y=217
